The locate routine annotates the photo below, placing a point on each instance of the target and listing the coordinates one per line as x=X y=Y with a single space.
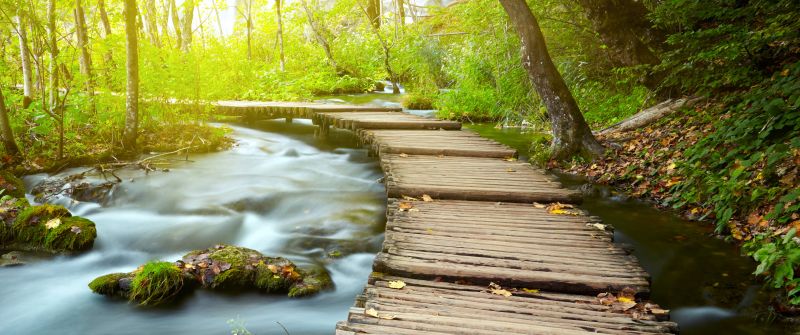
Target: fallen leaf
x=75 y=229
x=403 y=155
x=497 y=290
x=511 y=159
x=531 y=291
x=426 y=198
x=404 y=206
x=405 y=197
x=599 y=226
x=624 y=299
x=53 y=223
x=538 y=205
x=397 y=284
x=373 y=313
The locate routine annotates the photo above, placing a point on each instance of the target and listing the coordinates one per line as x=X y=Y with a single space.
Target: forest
x=690 y=106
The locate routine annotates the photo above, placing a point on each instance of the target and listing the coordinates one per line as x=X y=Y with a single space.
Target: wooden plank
x=448 y=143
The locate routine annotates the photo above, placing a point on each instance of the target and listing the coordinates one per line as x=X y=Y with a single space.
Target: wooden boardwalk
x=473 y=244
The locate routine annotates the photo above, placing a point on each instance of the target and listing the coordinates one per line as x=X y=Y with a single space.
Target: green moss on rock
x=313 y=281
x=71 y=234
x=156 y=283
x=11 y=185
x=32 y=223
x=9 y=210
x=115 y=284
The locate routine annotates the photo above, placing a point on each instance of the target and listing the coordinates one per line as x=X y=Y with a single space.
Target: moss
x=156 y=283
x=243 y=263
x=314 y=281
x=73 y=234
x=11 y=185
x=110 y=285
x=9 y=210
x=31 y=224
x=275 y=275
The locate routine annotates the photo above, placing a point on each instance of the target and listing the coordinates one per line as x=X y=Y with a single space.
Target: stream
x=284 y=194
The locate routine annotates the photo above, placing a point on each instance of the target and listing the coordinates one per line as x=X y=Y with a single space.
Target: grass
x=156 y=283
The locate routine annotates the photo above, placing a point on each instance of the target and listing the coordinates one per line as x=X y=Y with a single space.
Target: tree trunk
x=132 y=69
x=623 y=27
x=85 y=58
x=374 y=13
x=401 y=12
x=280 y=35
x=571 y=134
x=164 y=22
x=5 y=130
x=25 y=59
x=53 y=69
x=151 y=22
x=176 y=24
x=108 y=58
x=219 y=24
x=188 y=15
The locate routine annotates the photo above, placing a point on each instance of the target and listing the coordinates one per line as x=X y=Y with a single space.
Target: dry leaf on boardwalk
x=497 y=290
x=538 y=205
x=561 y=209
x=403 y=155
x=426 y=198
x=397 y=284
x=405 y=197
x=373 y=313
x=404 y=206
x=510 y=159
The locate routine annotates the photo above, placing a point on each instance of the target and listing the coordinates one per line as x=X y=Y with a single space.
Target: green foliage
x=156 y=283
x=723 y=45
x=741 y=165
x=778 y=257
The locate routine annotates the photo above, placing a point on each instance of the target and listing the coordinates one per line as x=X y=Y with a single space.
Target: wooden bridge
x=473 y=244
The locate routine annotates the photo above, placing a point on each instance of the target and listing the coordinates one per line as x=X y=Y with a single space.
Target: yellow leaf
x=562 y=212
x=53 y=223
x=404 y=206
x=397 y=284
x=531 y=291
x=426 y=198
x=373 y=313
x=403 y=155
x=510 y=159
x=510 y=170
x=624 y=299
x=502 y=292
x=538 y=205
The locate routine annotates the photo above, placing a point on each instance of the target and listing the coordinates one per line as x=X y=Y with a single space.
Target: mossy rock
x=71 y=234
x=115 y=284
x=9 y=210
x=314 y=281
x=156 y=283
x=32 y=224
x=11 y=185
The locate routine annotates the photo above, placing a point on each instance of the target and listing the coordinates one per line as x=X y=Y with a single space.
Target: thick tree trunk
x=280 y=35
x=188 y=15
x=624 y=28
x=85 y=58
x=151 y=22
x=132 y=69
x=25 y=59
x=176 y=24
x=374 y=13
x=5 y=130
x=571 y=134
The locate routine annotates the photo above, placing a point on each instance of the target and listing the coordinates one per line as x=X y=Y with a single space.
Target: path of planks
x=464 y=215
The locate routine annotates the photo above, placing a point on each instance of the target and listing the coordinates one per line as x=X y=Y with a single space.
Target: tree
x=623 y=27
x=374 y=13
x=280 y=34
x=132 y=69
x=151 y=22
x=5 y=130
x=188 y=14
x=176 y=24
x=319 y=33
x=53 y=102
x=25 y=59
x=571 y=134
x=108 y=58
x=82 y=37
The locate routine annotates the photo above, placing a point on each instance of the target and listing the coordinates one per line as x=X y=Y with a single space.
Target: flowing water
x=284 y=194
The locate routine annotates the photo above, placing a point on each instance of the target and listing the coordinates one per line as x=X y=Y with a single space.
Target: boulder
x=11 y=185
